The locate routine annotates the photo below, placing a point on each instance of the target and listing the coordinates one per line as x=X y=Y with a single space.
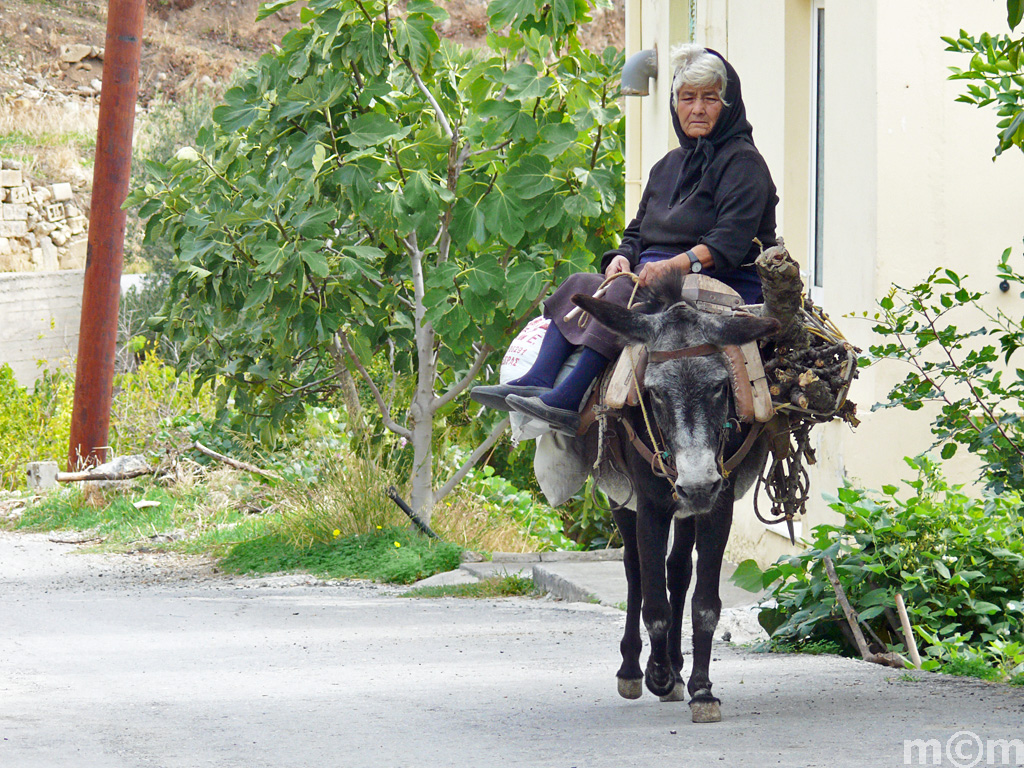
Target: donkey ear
x=735 y=330
x=632 y=326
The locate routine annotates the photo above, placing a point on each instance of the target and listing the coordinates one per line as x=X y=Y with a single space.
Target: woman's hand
x=618 y=264
x=655 y=270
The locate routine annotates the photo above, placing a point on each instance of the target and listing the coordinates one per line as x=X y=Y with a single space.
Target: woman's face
x=698 y=110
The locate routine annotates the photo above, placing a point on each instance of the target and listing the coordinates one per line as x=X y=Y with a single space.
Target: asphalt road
x=111 y=661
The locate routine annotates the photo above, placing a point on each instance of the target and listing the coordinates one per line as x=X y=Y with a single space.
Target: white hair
x=692 y=65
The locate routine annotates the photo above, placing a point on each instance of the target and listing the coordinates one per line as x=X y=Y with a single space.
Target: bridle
x=661 y=461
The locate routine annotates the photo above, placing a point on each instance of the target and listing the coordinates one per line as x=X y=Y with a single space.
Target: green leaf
x=1014 y=12
x=557 y=138
x=485 y=276
x=504 y=215
x=416 y=39
x=319 y=157
x=317 y=262
x=530 y=177
x=259 y=294
x=749 y=576
x=373 y=129
x=271 y=7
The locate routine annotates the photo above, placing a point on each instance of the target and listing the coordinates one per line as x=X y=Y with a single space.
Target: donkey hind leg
x=712 y=535
x=680 y=568
x=630 y=676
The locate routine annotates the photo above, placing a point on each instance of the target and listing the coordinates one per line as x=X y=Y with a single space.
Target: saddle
x=620 y=385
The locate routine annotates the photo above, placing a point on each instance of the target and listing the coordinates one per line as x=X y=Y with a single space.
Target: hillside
x=51 y=68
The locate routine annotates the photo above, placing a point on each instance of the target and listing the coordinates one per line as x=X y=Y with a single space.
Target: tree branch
x=534 y=304
x=474 y=457
x=974 y=392
x=243 y=465
x=390 y=423
x=886 y=659
x=465 y=381
x=441 y=117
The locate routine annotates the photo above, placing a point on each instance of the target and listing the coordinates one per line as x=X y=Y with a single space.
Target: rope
x=601 y=289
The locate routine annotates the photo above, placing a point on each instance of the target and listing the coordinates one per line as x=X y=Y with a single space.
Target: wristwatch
x=695 y=265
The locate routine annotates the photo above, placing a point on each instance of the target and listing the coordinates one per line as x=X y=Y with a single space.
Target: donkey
x=688 y=402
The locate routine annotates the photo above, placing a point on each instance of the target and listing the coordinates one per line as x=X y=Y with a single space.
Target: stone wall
x=39 y=318
x=41 y=227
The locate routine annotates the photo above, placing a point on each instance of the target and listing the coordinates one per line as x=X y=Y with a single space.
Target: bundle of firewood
x=810 y=365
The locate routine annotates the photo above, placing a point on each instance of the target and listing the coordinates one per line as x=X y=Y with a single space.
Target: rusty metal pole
x=101 y=294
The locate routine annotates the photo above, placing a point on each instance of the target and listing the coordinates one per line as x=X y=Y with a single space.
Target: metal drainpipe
x=638 y=71
x=101 y=293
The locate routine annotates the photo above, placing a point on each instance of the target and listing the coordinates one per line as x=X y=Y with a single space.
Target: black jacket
x=715 y=190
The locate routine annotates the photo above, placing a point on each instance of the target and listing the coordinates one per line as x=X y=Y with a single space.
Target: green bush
x=35 y=424
x=958 y=562
x=966 y=371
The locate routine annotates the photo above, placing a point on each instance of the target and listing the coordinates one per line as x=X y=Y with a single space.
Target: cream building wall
x=909 y=183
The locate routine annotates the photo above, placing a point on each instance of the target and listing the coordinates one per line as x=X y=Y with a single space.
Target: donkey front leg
x=712 y=536
x=630 y=676
x=680 y=569
x=652 y=539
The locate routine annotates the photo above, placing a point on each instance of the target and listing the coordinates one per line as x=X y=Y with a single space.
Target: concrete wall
x=909 y=186
x=39 y=318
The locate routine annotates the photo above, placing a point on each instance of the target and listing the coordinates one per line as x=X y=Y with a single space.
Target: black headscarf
x=732 y=124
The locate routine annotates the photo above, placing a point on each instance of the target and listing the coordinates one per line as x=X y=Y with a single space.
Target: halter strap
x=701 y=350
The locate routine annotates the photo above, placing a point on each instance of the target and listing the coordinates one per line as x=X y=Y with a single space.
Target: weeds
x=394 y=555
x=53 y=141
x=811 y=648
x=36 y=423
x=956 y=560
x=511 y=585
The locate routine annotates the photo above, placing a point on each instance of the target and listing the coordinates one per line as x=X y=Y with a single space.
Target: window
x=817 y=197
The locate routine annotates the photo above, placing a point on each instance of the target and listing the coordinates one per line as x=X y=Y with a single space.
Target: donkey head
x=691 y=397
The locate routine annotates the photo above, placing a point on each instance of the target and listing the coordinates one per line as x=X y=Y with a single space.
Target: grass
x=329 y=516
x=349 y=496
x=969 y=667
x=394 y=555
x=335 y=523
x=212 y=518
x=511 y=585
x=182 y=518
x=52 y=142
x=814 y=648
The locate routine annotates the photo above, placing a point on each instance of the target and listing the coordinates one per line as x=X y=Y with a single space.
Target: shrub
x=957 y=560
x=980 y=396
x=36 y=423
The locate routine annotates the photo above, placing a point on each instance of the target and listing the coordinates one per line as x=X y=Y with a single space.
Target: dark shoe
x=561 y=420
x=493 y=396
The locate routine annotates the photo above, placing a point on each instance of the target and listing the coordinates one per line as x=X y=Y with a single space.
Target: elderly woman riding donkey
x=706 y=208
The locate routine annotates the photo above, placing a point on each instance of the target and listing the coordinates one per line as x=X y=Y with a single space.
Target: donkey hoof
x=678 y=693
x=630 y=689
x=660 y=686
x=706 y=710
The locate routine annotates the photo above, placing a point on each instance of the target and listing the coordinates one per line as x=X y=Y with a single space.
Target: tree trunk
x=421 y=412
x=349 y=393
